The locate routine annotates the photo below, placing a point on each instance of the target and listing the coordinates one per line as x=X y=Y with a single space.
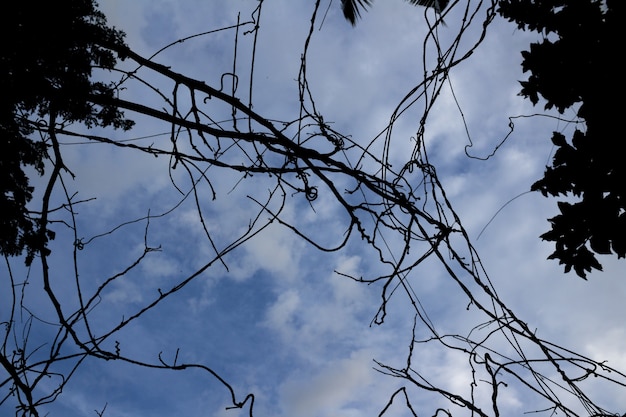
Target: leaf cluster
x=48 y=51
x=575 y=64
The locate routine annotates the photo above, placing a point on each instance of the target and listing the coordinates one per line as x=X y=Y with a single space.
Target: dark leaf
x=558 y=139
x=600 y=245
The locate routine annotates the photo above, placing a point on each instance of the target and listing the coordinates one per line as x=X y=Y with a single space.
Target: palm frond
x=352 y=8
x=438 y=5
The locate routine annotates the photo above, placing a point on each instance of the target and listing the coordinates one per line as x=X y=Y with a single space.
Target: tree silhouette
x=573 y=67
x=46 y=72
x=213 y=131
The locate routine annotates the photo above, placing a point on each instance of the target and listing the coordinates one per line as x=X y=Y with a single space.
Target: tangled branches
x=299 y=159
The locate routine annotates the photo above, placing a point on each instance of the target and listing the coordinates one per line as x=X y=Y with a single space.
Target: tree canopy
x=574 y=68
x=49 y=53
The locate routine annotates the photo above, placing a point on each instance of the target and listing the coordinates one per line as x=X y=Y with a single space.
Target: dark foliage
x=351 y=7
x=576 y=64
x=47 y=53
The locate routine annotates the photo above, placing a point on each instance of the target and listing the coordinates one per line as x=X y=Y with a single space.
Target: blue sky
x=274 y=319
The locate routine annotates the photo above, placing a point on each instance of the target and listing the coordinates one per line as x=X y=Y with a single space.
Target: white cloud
x=282 y=312
x=333 y=389
x=124 y=293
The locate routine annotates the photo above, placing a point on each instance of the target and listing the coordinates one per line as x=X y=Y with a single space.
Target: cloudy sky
x=274 y=319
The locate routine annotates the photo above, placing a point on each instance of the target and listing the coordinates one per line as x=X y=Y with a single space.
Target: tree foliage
x=574 y=66
x=48 y=54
